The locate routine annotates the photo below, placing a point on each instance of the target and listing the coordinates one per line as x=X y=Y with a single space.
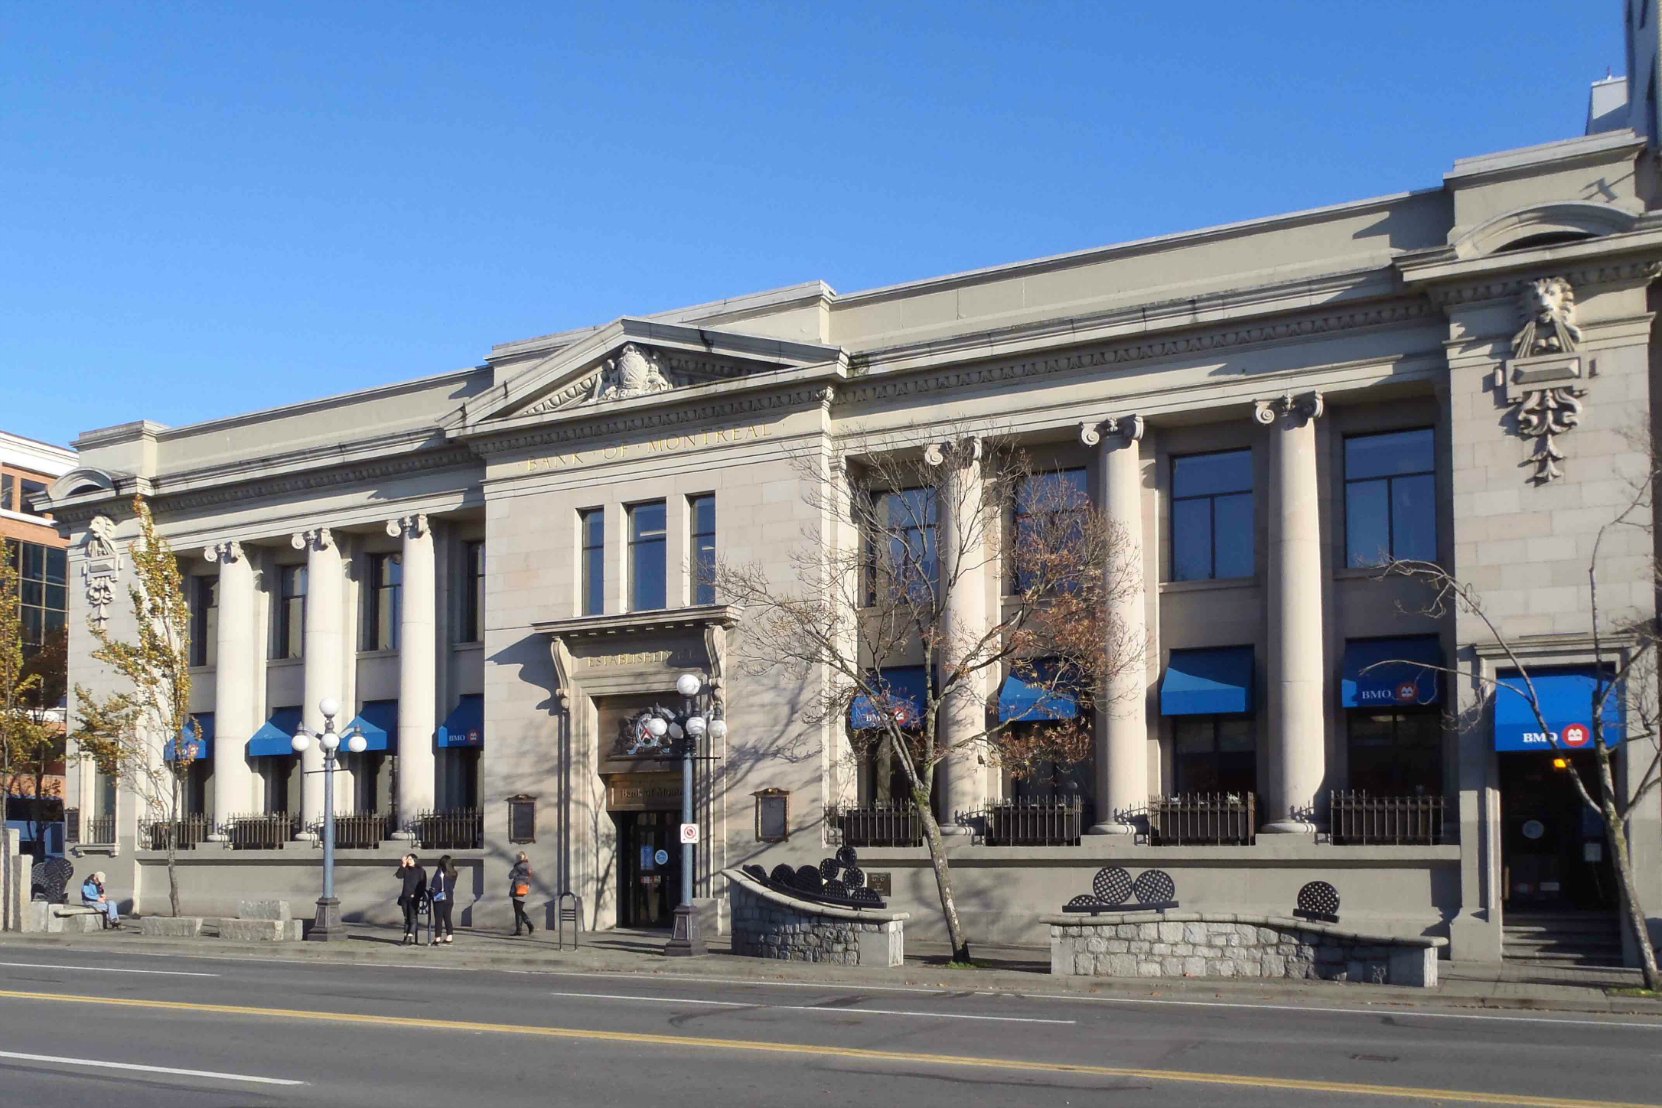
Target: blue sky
x=209 y=208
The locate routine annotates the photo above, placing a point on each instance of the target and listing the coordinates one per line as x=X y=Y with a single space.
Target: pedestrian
x=441 y=890
x=93 y=896
x=413 y=895
x=519 y=887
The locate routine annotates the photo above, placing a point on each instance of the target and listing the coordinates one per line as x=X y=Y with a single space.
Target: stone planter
x=769 y=924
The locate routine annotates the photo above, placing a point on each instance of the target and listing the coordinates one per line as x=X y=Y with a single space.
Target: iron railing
x=98 y=830
x=262 y=830
x=1358 y=819
x=362 y=830
x=451 y=829
x=878 y=824
x=1203 y=819
x=1035 y=821
x=184 y=833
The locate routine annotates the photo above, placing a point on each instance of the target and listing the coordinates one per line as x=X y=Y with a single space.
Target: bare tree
x=1624 y=655
x=920 y=524
x=129 y=733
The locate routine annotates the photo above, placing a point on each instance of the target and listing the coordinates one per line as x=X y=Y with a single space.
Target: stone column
x=235 y=694
x=960 y=543
x=1121 y=720
x=417 y=668
x=325 y=653
x=1298 y=731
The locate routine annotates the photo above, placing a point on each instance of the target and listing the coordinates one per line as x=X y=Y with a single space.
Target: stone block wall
x=767 y=924
x=1187 y=944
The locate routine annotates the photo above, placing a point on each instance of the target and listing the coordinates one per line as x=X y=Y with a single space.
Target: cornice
x=375 y=469
x=1451 y=281
x=640 y=623
x=1130 y=351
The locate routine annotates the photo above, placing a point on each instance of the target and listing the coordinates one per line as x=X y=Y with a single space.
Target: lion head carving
x=1548 y=309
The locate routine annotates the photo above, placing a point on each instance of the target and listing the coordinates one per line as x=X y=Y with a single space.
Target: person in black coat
x=519 y=887
x=441 y=890
x=415 y=891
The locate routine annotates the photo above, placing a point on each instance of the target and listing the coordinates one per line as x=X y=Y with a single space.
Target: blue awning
x=1380 y=673
x=379 y=724
x=197 y=748
x=1211 y=682
x=464 y=727
x=906 y=689
x=1035 y=698
x=275 y=738
x=1566 y=697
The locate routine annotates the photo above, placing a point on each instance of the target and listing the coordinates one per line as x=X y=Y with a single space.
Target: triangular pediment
x=631 y=359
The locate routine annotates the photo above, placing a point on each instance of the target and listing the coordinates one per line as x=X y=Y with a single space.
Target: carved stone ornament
x=100 y=568
x=634 y=372
x=317 y=538
x=1300 y=409
x=960 y=452
x=414 y=526
x=1541 y=379
x=1115 y=431
x=224 y=553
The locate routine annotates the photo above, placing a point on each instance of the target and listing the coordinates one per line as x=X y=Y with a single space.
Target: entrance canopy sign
x=1208 y=682
x=197 y=746
x=1567 y=697
x=904 y=693
x=275 y=738
x=1392 y=673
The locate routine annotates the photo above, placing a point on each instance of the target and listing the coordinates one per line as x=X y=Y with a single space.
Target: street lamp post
x=698 y=717
x=326 y=926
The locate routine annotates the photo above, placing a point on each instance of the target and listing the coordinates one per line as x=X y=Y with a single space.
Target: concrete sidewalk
x=1000 y=969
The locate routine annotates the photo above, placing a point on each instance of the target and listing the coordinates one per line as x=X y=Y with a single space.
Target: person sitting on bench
x=92 y=896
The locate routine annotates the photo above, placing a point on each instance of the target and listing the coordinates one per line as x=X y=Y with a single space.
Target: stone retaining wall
x=1189 y=944
x=769 y=924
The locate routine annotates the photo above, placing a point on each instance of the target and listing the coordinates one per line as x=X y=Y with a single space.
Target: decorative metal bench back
x=49 y=880
x=1319 y=901
x=1112 y=887
x=838 y=880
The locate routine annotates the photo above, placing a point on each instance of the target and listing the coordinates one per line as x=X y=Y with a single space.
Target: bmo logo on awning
x=1576 y=736
x=1403 y=692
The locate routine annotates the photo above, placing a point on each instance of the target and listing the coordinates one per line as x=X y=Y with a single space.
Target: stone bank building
x=497 y=570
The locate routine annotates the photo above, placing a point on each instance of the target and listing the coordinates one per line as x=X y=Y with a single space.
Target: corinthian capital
x=1114 y=431
x=411 y=527
x=1297 y=409
x=224 y=553
x=318 y=538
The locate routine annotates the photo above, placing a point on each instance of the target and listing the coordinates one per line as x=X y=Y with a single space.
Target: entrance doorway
x=649 y=868
x=1553 y=850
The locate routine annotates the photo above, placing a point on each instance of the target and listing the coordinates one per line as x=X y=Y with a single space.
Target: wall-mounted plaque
x=522 y=819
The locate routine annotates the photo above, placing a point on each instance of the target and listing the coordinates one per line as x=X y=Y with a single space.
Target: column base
x=327 y=926
x=219 y=837
x=1111 y=829
x=686 y=941
x=403 y=836
x=1288 y=827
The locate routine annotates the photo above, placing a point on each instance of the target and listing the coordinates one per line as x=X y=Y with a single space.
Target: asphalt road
x=83 y=1027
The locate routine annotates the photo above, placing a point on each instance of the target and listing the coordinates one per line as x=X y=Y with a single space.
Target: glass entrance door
x=1555 y=855
x=649 y=868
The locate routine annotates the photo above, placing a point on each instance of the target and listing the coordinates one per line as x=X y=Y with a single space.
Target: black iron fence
x=1035 y=822
x=1357 y=819
x=183 y=834
x=98 y=830
x=878 y=824
x=1203 y=819
x=262 y=830
x=362 y=830
x=451 y=829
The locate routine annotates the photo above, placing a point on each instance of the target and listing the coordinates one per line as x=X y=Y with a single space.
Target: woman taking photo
x=441 y=890
x=519 y=887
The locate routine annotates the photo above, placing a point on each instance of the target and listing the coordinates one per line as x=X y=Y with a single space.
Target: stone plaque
x=879 y=882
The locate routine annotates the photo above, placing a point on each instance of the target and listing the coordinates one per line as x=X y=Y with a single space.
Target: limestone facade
x=1273 y=344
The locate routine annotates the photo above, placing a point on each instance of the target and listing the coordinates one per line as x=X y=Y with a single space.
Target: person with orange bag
x=519 y=887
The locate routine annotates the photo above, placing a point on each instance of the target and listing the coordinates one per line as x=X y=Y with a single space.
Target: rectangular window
x=646 y=556
x=289 y=627
x=27 y=490
x=702 y=512
x=1214 y=754
x=1211 y=516
x=8 y=492
x=43 y=591
x=1396 y=753
x=901 y=555
x=1048 y=510
x=202 y=598
x=384 y=601
x=1390 y=498
x=473 y=592
x=592 y=524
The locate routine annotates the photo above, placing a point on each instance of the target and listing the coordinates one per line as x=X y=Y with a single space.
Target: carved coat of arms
x=634 y=372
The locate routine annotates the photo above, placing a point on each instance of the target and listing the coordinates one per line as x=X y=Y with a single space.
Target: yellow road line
x=1290 y=1084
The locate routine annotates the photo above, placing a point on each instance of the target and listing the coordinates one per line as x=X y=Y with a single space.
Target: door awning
x=196 y=747
x=378 y=723
x=275 y=738
x=464 y=727
x=906 y=691
x=1212 y=682
x=1566 y=699
x=1391 y=673
x=1035 y=698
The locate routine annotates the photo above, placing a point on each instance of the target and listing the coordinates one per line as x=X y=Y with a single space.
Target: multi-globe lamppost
x=699 y=716
x=327 y=925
